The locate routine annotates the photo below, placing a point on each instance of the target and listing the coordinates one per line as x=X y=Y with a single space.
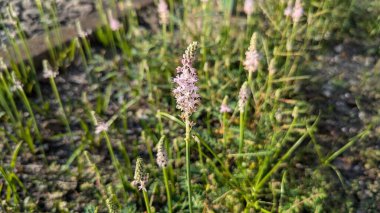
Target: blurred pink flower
x=248 y=7
x=252 y=56
x=225 y=108
x=163 y=12
x=288 y=10
x=243 y=96
x=297 y=11
x=100 y=127
x=251 y=62
x=272 y=67
x=113 y=22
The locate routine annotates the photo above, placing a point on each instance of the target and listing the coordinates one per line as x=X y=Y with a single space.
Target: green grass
x=238 y=161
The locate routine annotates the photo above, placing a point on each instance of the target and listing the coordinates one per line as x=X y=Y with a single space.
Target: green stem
x=116 y=163
x=27 y=52
x=146 y=199
x=56 y=93
x=16 y=117
x=171 y=8
x=249 y=19
x=120 y=35
x=187 y=140
x=224 y=129
x=251 y=85
x=269 y=90
x=87 y=48
x=126 y=158
x=288 y=57
x=17 y=52
x=164 y=35
x=166 y=180
x=29 y=108
x=160 y=125
x=241 y=138
x=84 y=59
x=52 y=51
x=164 y=40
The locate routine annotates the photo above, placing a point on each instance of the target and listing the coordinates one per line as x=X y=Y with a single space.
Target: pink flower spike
x=186 y=91
x=243 y=96
x=288 y=10
x=297 y=11
x=113 y=22
x=163 y=12
x=252 y=59
x=252 y=56
x=224 y=108
x=248 y=7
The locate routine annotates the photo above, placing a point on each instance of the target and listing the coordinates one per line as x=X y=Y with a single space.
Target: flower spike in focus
x=186 y=92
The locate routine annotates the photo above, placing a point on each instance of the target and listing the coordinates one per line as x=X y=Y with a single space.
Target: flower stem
x=87 y=48
x=171 y=8
x=146 y=199
x=187 y=140
x=269 y=91
x=29 y=108
x=164 y=41
x=164 y=35
x=55 y=91
x=166 y=180
x=225 y=129
x=116 y=163
x=251 y=85
x=7 y=92
x=290 y=45
x=241 y=138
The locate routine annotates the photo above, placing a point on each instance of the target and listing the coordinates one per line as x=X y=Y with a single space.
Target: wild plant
x=22 y=48
x=17 y=87
x=50 y=73
x=101 y=128
x=162 y=162
x=163 y=13
x=187 y=97
x=140 y=180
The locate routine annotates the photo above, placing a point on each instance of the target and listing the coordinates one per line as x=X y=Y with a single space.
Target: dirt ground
x=345 y=89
